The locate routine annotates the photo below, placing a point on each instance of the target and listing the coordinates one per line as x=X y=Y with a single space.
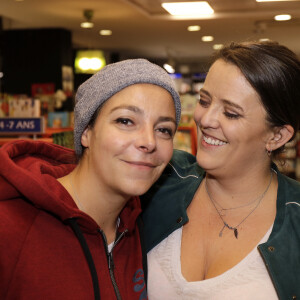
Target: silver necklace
x=234 y=228
x=236 y=207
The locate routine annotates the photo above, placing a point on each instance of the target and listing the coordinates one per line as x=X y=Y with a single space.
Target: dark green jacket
x=165 y=210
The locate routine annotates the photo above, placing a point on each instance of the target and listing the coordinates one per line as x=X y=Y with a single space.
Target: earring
x=269 y=152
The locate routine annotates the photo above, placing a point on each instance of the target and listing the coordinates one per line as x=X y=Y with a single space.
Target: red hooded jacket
x=49 y=249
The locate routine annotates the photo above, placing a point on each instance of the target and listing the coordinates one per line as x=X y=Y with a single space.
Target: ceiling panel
x=141 y=28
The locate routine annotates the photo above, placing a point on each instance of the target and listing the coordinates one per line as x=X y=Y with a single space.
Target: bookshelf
x=48 y=135
x=186 y=139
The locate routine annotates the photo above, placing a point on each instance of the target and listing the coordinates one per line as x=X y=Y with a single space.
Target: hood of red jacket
x=28 y=171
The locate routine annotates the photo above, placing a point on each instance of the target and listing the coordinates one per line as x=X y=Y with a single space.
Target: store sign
x=21 y=125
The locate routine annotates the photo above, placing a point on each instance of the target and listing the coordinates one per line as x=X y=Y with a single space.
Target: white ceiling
x=141 y=28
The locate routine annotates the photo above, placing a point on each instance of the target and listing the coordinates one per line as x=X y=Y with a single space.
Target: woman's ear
x=85 y=140
x=280 y=137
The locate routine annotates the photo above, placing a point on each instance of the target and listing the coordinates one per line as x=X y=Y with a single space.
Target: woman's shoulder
x=288 y=199
x=164 y=205
x=16 y=219
x=288 y=187
x=183 y=158
x=289 y=190
x=180 y=173
x=183 y=164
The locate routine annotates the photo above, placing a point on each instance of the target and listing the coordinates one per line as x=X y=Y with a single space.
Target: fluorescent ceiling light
x=194 y=28
x=87 y=25
x=207 y=38
x=169 y=68
x=274 y=0
x=218 y=46
x=188 y=8
x=282 y=17
x=105 y=32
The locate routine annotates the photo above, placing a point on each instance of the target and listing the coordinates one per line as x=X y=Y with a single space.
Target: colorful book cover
x=58 y=119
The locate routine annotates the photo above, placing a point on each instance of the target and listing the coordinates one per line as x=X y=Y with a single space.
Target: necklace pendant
x=222 y=211
x=235 y=232
x=221 y=231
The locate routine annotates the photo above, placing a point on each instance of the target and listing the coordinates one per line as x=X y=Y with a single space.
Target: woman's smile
x=141 y=164
x=213 y=141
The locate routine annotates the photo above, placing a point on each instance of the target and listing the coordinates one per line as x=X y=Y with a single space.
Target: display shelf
x=186 y=139
x=50 y=131
x=46 y=136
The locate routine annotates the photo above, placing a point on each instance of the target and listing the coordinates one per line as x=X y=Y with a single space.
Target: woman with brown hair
x=226 y=225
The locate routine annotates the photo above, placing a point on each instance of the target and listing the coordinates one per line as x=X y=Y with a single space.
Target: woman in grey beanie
x=126 y=116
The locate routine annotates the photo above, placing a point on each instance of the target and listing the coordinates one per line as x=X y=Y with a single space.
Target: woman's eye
x=231 y=115
x=203 y=103
x=166 y=131
x=124 y=121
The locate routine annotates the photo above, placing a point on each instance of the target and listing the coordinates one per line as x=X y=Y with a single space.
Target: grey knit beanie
x=109 y=81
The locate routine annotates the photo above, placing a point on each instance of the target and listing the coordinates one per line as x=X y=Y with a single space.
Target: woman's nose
x=207 y=117
x=146 y=141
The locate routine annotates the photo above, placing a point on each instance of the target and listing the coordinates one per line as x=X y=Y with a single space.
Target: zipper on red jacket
x=110 y=261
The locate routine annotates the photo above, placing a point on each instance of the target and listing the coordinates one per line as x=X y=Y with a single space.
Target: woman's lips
x=141 y=164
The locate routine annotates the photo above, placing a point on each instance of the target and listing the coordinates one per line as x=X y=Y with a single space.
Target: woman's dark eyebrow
x=139 y=111
x=227 y=102
x=128 y=107
x=230 y=103
x=166 y=119
x=202 y=90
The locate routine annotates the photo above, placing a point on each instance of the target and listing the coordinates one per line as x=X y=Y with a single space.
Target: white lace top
x=248 y=280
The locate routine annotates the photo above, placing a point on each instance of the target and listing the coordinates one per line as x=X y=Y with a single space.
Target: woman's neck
x=234 y=191
x=94 y=200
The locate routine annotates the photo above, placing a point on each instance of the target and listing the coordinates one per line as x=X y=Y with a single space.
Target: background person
x=227 y=226
x=68 y=230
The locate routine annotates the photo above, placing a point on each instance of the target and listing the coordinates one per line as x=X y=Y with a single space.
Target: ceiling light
x=207 y=38
x=194 y=28
x=87 y=25
x=89 y=61
x=274 y=0
x=169 y=68
x=282 y=17
x=88 y=14
x=188 y=8
x=105 y=32
x=218 y=46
